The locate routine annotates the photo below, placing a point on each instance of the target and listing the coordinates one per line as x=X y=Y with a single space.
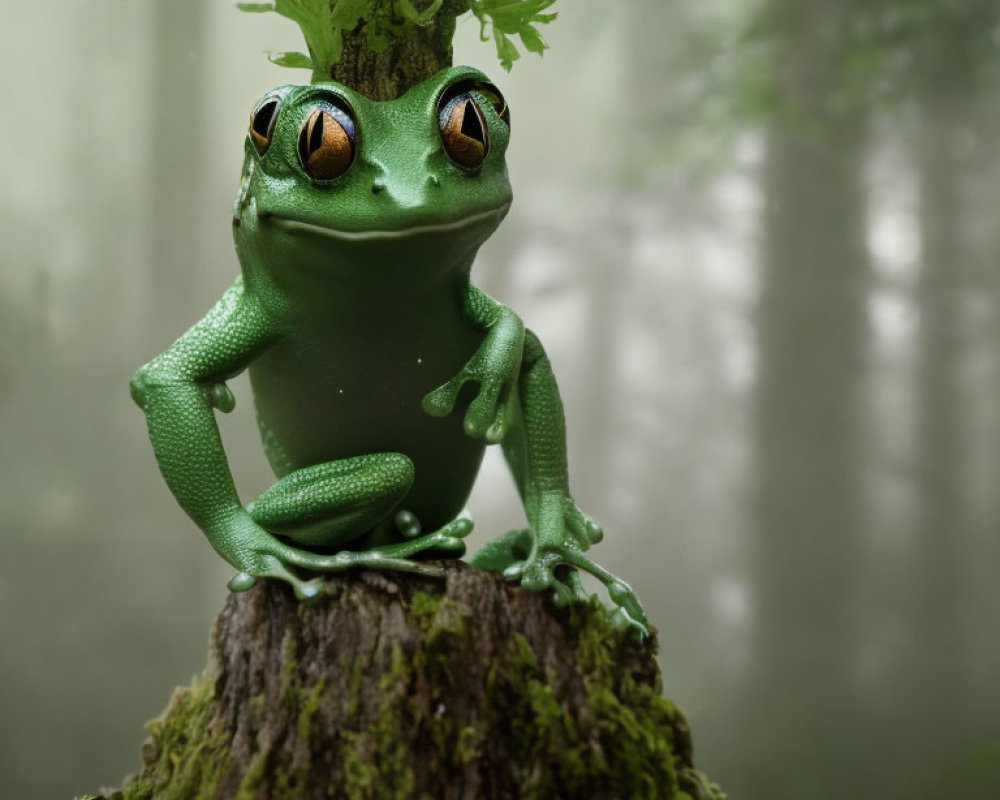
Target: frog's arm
x=494 y=366
x=535 y=449
x=177 y=391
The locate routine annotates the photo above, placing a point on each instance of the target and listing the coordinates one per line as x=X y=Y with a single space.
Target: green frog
x=379 y=373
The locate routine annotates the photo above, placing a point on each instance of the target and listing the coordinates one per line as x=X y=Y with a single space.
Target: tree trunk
x=940 y=600
x=405 y=61
x=396 y=686
x=812 y=345
x=176 y=148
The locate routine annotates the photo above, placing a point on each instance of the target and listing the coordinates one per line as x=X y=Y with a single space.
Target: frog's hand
x=535 y=449
x=495 y=366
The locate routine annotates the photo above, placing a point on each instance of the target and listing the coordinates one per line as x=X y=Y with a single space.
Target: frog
x=379 y=373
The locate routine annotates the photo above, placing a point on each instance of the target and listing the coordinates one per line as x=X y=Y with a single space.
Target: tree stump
x=400 y=687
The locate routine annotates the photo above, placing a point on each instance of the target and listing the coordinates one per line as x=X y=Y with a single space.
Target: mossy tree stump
x=399 y=687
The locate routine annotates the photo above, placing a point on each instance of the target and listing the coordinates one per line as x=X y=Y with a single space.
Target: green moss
x=186 y=760
x=626 y=740
x=252 y=778
x=443 y=625
x=354 y=691
x=308 y=707
x=378 y=765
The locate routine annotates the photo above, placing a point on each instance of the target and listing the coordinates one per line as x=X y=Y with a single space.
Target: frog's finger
x=622 y=620
x=623 y=596
x=348 y=559
x=585 y=531
x=576 y=522
x=219 y=396
x=568 y=588
x=407 y=524
x=483 y=410
x=537 y=577
x=562 y=595
x=241 y=582
x=441 y=401
x=506 y=411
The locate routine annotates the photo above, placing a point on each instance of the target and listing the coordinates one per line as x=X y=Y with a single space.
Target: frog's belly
x=322 y=398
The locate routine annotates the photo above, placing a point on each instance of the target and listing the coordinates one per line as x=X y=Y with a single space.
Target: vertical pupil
x=471 y=126
x=326 y=144
x=262 y=119
x=316 y=135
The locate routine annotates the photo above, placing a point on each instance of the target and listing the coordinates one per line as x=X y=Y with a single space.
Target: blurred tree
x=176 y=156
x=812 y=338
x=952 y=51
x=819 y=69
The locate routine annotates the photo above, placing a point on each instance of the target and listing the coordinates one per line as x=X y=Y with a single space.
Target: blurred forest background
x=759 y=242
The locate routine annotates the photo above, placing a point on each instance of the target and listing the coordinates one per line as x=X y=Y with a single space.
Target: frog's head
x=328 y=171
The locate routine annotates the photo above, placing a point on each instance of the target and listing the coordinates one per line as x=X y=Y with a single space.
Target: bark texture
x=385 y=74
x=396 y=686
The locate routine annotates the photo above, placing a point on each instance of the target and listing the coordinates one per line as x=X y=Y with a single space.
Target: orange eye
x=326 y=143
x=262 y=124
x=463 y=131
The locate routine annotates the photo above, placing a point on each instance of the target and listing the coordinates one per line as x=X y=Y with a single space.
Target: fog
x=764 y=265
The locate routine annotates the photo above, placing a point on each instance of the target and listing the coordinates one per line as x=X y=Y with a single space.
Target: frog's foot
x=514 y=548
x=547 y=569
x=304 y=589
x=447 y=539
x=559 y=568
x=550 y=555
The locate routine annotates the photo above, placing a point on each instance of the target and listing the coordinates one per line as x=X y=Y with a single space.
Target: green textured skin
x=362 y=334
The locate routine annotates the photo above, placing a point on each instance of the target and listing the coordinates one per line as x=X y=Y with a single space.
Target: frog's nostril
x=434 y=181
x=377 y=186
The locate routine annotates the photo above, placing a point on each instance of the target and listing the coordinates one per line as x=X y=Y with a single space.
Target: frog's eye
x=463 y=130
x=326 y=143
x=262 y=124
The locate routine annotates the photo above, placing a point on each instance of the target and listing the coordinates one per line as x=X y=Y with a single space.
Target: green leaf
x=532 y=40
x=255 y=8
x=507 y=18
x=506 y=51
x=347 y=14
x=409 y=12
x=293 y=60
x=315 y=19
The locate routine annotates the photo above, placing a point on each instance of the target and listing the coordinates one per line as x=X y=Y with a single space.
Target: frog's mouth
x=295 y=225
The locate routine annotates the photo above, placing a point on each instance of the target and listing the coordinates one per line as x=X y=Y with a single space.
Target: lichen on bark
x=400 y=688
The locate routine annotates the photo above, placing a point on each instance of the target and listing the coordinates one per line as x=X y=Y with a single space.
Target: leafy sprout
x=323 y=23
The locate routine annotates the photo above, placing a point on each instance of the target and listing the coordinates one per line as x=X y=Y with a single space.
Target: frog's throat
x=356 y=236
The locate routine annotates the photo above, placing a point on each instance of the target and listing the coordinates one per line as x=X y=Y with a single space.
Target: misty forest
x=759 y=243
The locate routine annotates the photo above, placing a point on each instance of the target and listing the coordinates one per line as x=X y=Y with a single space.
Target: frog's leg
x=535 y=450
x=333 y=503
x=494 y=367
x=178 y=391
